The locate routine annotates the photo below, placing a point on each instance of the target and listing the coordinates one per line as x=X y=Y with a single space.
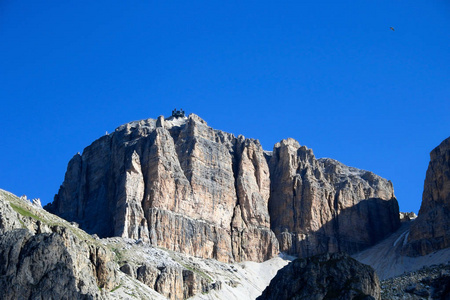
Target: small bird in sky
x=392 y=28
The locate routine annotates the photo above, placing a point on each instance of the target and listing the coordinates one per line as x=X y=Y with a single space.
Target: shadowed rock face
x=431 y=230
x=319 y=206
x=186 y=187
x=329 y=276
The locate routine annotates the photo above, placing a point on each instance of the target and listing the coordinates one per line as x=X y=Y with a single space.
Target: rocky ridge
x=181 y=185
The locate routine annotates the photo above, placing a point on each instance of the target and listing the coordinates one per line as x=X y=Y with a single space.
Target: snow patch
x=175 y=122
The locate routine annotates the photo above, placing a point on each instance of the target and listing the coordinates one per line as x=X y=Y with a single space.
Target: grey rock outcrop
x=172 y=282
x=320 y=205
x=184 y=186
x=329 y=276
x=407 y=216
x=166 y=276
x=39 y=261
x=431 y=230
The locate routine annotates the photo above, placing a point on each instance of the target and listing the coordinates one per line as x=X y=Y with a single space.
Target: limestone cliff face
x=431 y=230
x=186 y=187
x=177 y=183
x=319 y=206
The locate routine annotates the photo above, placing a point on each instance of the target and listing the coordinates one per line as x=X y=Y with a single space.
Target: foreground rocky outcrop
x=179 y=184
x=43 y=260
x=328 y=276
x=45 y=257
x=320 y=205
x=431 y=230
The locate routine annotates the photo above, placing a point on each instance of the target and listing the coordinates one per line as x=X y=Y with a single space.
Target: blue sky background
x=331 y=74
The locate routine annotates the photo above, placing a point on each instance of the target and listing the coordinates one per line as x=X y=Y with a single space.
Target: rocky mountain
x=180 y=206
x=179 y=184
x=431 y=230
x=328 y=276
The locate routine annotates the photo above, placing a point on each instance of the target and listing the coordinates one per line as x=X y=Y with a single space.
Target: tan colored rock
x=179 y=184
x=130 y=220
x=183 y=234
x=319 y=206
x=431 y=230
x=176 y=183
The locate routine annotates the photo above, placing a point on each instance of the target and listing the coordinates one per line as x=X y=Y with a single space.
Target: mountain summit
x=184 y=186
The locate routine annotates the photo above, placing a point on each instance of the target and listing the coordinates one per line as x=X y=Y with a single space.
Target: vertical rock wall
x=319 y=206
x=186 y=187
x=431 y=230
x=177 y=183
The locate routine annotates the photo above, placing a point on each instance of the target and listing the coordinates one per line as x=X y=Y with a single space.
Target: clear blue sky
x=331 y=74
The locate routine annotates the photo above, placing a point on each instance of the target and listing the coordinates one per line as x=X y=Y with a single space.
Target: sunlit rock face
x=431 y=230
x=187 y=187
x=179 y=184
x=320 y=205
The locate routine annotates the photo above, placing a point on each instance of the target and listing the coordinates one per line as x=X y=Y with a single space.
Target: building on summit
x=178 y=113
